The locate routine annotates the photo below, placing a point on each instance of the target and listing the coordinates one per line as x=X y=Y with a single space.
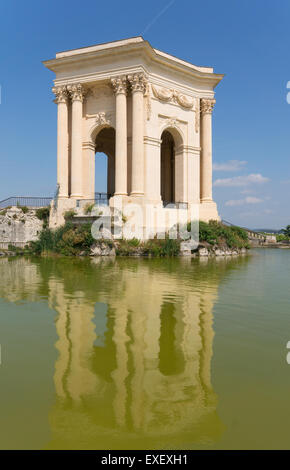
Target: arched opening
x=105 y=170
x=167 y=167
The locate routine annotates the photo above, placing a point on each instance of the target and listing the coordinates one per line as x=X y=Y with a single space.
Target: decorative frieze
x=170 y=95
x=207 y=105
x=103 y=118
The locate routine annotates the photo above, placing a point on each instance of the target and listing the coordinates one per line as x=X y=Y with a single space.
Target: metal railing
x=251 y=233
x=25 y=201
x=101 y=199
x=175 y=205
x=35 y=202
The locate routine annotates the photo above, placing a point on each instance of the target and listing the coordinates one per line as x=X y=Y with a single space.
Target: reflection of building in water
x=134 y=369
x=134 y=348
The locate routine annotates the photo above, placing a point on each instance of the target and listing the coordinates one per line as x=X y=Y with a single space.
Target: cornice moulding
x=130 y=46
x=92 y=78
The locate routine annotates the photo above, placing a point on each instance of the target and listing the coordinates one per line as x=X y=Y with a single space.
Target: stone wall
x=18 y=227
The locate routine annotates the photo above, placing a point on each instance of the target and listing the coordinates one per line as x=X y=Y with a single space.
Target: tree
x=286 y=231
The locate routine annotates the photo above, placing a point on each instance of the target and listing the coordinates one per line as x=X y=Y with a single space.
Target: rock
x=106 y=234
x=203 y=251
x=187 y=247
x=102 y=249
x=17 y=226
x=219 y=252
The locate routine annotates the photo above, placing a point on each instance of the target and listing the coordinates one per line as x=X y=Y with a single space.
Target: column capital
x=138 y=82
x=61 y=94
x=119 y=84
x=77 y=92
x=207 y=105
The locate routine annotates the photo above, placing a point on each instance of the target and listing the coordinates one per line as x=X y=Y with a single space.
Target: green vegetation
x=77 y=240
x=24 y=209
x=67 y=240
x=216 y=233
x=286 y=232
x=280 y=237
x=155 y=248
x=88 y=208
x=43 y=214
x=68 y=215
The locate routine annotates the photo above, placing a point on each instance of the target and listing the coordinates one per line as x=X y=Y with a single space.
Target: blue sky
x=248 y=40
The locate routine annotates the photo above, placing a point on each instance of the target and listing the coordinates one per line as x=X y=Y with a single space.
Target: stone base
x=56 y=217
x=147 y=218
x=208 y=211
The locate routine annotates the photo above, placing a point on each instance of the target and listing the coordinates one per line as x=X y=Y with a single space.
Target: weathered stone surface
x=102 y=249
x=219 y=252
x=17 y=227
x=203 y=251
x=187 y=247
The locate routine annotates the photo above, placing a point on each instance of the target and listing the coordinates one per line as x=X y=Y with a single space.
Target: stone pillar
x=181 y=172
x=138 y=84
x=206 y=150
x=120 y=89
x=77 y=96
x=88 y=166
x=62 y=140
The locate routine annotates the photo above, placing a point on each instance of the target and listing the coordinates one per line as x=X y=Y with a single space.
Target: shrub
x=281 y=237
x=67 y=240
x=216 y=233
x=68 y=215
x=162 y=248
x=88 y=208
x=155 y=247
x=43 y=214
x=24 y=209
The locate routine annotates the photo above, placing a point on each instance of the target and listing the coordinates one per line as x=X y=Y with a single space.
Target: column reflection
x=134 y=365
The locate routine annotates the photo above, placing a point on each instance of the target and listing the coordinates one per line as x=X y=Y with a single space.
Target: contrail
x=158 y=16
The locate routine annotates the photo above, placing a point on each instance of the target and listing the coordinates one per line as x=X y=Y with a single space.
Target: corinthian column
x=77 y=96
x=120 y=89
x=62 y=139
x=206 y=150
x=138 y=84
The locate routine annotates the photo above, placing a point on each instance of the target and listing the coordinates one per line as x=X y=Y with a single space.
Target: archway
x=172 y=166
x=105 y=145
x=167 y=173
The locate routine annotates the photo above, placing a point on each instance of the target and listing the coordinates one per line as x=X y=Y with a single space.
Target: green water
x=144 y=353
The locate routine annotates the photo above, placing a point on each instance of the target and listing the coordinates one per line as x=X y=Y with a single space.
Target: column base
x=137 y=194
x=208 y=211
